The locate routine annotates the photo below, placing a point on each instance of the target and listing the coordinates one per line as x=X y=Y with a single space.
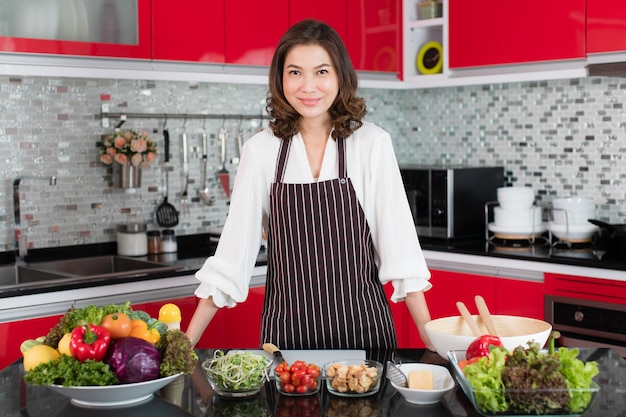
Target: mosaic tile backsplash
x=563 y=138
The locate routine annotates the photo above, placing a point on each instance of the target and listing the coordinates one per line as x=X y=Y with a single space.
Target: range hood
x=610 y=69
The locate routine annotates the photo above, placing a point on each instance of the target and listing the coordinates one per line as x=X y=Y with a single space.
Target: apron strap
x=281 y=162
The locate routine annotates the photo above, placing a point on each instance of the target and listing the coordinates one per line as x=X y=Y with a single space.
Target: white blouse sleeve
x=225 y=276
x=399 y=255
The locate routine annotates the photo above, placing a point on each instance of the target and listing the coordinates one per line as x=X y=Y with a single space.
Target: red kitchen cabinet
x=495 y=32
x=516 y=297
x=238 y=327
x=593 y=289
x=606 y=26
x=12 y=334
x=104 y=28
x=375 y=35
x=333 y=12
x=253 y=29
x=401 y=318
x=192 y=30
x=187 y=306
x=451 y=286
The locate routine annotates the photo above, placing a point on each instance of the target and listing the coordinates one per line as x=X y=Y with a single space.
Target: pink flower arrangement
x=128 y=146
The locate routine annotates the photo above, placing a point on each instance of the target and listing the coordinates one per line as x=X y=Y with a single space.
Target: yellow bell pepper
x=140 y=329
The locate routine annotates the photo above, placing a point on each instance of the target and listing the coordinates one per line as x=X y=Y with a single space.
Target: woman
x=327 y=187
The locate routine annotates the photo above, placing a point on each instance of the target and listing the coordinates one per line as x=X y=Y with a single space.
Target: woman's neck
x=315 y=139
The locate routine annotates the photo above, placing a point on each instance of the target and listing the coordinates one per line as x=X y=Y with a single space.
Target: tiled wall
x=560 y=137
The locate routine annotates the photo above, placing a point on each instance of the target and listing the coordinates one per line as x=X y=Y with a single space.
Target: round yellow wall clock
x=430 y=58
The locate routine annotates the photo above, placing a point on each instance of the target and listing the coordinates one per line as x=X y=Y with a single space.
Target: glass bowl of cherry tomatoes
x=298 y=378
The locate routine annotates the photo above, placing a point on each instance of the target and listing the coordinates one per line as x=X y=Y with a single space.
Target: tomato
x=285 y=377
x=118 y=325
x=289 y=388
x=302 y=389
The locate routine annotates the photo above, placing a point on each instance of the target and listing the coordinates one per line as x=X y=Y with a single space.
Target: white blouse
x=375 y=175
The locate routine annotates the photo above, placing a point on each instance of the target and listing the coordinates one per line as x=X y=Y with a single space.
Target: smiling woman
x=326 y=185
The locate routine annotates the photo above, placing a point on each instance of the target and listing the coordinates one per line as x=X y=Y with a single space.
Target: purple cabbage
x=133 y=360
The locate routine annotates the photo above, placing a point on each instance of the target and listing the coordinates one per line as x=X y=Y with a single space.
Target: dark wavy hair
x=346 y=111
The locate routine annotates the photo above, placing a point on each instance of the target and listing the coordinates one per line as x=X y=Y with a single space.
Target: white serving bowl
x=573 y=232
x=443 y=384
x=526 y=217
x=573 y=210
x=452 y=333
x=515 y=198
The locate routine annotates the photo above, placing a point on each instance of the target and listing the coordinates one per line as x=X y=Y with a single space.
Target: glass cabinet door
x=116 y=28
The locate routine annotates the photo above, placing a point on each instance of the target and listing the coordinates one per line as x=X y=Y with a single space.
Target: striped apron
x=322 y=287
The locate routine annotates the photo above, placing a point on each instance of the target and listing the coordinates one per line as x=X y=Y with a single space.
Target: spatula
x=395 y=374
x=166 y=214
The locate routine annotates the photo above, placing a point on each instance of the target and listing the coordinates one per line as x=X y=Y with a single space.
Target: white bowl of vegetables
x=237 y=373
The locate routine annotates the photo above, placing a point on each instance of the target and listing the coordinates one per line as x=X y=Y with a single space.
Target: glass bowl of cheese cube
x=427 y=383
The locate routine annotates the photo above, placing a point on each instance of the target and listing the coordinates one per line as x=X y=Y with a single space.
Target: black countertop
x=19 y=399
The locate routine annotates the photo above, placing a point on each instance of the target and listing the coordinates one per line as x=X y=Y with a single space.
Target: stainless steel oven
x=586 y=323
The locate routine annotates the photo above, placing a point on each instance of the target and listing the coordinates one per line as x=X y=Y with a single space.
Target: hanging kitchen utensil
x=469 y=320
x=395 y=374
x=204 y=192
x=166 y=214
x=222 y=174
x=239 y=144
x=184 y=200
x=485 y=315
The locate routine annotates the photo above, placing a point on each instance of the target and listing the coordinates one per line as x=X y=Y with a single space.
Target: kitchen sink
x=113 y=266
x=80 y=269
x=15 y=274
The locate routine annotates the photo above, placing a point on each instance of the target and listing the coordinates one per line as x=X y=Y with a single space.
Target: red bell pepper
x=482 y=345
x=89 y=342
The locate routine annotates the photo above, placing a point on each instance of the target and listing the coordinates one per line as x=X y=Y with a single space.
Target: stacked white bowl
x=570 y=217
x=516 y=212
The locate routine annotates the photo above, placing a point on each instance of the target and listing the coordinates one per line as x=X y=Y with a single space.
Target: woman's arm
x=203 y=315
x=416 y=303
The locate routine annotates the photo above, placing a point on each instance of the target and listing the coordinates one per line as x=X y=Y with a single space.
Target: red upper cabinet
x=333 y=12
x=253 y=29
x=495 y=32
x=190 y=30
x=375 y=35
x=606 y=26
x=101 y=28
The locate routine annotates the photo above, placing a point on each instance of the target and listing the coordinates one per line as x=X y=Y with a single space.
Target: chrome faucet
x=21 y=245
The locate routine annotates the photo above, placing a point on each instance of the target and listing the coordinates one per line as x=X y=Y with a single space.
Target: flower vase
x=173 y=392
x=129 y=176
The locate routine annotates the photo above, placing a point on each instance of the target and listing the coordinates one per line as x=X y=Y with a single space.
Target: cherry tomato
x=285 y=377
x=302 y=389
x=289 y=388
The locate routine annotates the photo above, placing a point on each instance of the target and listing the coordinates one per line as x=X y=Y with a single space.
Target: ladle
x=468 y=318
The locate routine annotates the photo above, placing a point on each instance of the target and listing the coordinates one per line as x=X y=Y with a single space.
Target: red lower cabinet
x=516 y=297
x=12 y=334
x=593 y=289
x=238 y=327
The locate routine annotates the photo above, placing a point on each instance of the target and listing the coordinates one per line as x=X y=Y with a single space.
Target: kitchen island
x=19 y=399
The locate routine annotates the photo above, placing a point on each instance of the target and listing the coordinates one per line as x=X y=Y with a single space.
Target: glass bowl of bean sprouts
x=237 y=373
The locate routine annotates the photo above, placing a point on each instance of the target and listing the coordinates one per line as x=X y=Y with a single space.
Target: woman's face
x=310 y=81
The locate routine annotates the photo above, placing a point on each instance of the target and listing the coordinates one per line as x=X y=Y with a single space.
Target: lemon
x=39 y=354
x=64 y=345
